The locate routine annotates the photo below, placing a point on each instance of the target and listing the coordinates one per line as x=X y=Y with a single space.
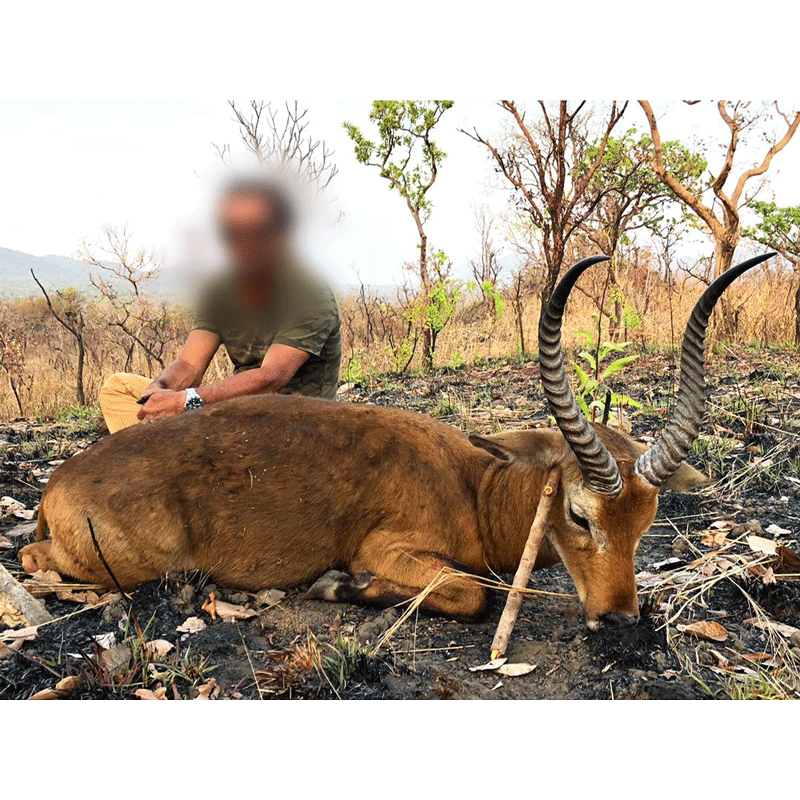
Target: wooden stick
x=514 y=601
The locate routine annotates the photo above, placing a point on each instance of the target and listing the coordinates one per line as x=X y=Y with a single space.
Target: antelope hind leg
x=389 y=573
x=34 y=557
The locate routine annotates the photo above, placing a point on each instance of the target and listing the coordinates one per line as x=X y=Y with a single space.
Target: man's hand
x=162 y=403
x=188 y=369
x=156 y=386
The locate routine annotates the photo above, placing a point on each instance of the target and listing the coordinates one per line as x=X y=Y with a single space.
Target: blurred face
x=255 y=243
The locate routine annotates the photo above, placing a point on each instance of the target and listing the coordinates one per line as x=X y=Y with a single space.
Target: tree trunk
x=723 y=258
x=15 y=390
x=129 y=357
x=428 y=342
x=553 y=260
x=81 y=358
x=615 y=321
x=797 y=315
x=520 y=327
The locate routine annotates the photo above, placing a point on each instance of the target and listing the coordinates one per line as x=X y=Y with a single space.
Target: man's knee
x=124 y=383
x=113 y=384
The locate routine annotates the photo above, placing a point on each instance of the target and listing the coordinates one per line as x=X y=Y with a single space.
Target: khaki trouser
x=118 y=399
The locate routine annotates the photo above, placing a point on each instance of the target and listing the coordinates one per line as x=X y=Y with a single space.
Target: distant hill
x=59 y=272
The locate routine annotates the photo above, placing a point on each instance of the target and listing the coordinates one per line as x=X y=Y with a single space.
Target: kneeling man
x=278 y=323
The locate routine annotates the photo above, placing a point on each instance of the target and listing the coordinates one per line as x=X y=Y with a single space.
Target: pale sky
x=71 y=167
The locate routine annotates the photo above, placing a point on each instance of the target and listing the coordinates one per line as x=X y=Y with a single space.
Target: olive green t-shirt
x=303 y=313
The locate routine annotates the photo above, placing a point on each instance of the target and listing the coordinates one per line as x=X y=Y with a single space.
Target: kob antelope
x=276 y=491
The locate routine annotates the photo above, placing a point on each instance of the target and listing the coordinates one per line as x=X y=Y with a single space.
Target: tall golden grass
x=762 y=305
x=41 y=357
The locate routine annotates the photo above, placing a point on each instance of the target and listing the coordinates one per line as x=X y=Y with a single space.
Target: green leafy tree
x=486 y=266
x=408 y=158
x=441 y=302
x=779 y=229
x=539 y=156
x=627 y=196
x=718 y=207
x=592 y=380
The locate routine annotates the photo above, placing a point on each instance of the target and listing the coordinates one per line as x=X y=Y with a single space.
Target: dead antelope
x=276 y=491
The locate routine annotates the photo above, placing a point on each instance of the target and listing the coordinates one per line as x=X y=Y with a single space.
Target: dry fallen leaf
x=269 y=597
x=769 y=576
x=25 y=634
x=494 y=664
x=192 y=625
x=10 y=615
x=116 y=657
x=515 y=670
x=715 y=538
x=46 y=576
x=158 y=648
x=758 y=657
x=776 y=530
x=230 y=611
x=63 y=689
x=106 y=640
x=758 y=544
x=210 y=606
x=208 y=691
x=723 y=524
x=15 y=508
x=722 y=661
x=5 y=543
x=777 y=627
x=149 y=694
x=9 y=650
x=789 y=558
x=705 y=629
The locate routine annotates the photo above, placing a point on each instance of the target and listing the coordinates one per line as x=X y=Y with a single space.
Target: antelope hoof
x=34 y=557
x=329 y=586
x=361 y=580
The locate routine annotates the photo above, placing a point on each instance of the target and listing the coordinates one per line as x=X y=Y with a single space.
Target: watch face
x=194 y=401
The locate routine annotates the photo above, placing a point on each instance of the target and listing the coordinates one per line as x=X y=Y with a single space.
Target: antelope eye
x=578 y=520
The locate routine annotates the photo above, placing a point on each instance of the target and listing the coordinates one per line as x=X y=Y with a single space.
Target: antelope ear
x=686 y=479
x=543 y=447
x=491 y=446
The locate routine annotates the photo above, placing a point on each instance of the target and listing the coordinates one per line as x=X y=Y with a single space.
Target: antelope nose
x=616 y=620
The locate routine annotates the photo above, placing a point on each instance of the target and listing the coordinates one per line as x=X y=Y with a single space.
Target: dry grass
x=762 y=304
x=43 y=362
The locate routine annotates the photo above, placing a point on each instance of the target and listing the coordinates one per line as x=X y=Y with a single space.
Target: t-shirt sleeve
x=308 y=326
x=205 y=316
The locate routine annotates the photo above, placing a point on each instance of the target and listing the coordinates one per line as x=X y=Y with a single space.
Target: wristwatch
x=193 y=400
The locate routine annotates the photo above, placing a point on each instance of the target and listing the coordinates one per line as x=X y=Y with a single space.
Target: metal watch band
x=193 y=400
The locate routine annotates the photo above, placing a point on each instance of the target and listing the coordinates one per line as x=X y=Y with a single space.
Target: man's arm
x=190 y=366
x=280 y=363
x=277 y=369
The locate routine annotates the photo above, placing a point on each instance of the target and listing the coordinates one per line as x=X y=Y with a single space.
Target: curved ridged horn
x=662 y=460
x=600 y=471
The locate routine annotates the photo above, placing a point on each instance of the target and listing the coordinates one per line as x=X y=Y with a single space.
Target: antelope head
x=610 y=483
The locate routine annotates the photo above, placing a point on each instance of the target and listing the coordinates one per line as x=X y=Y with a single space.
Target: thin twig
x=125 y=596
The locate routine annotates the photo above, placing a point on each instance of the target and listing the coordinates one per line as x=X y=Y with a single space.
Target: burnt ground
x=306 y=649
